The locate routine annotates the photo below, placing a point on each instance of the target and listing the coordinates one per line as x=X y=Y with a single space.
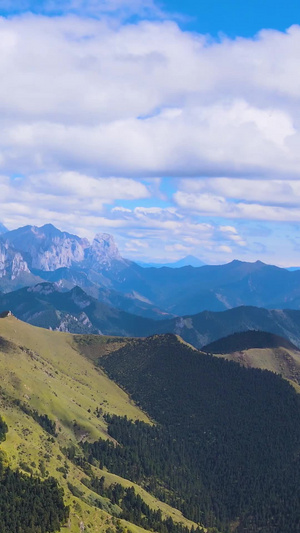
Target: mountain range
x=48 y=305
x=30 y=254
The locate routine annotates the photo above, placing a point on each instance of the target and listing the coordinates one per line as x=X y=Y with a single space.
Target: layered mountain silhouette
x=31 y=254
x=48 y=305
x=44 y=305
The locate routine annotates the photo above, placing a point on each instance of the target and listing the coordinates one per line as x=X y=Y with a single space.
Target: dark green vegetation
x=246 y=340
x=3 y=429
x=227 y=446
x=134 y=509
x=28 y=504
x=43 y=420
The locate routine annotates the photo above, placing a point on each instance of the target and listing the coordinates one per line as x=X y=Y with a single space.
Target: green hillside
x=178 y=440
x=257 y=349
x=51 y=398
x=231 y=433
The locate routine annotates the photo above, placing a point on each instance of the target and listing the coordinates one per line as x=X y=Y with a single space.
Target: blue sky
x=174 y=126
x=235 y=17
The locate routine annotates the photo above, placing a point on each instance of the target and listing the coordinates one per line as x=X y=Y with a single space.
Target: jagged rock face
x=49 y=249
x=103 y=251
x=62 y=252
x=12 y=263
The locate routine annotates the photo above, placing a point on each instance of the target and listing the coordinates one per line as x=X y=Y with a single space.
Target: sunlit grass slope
x=49 y=372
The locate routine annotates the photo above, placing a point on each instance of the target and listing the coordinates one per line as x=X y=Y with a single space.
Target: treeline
x=134 y=509
x=43 y=420
x=226 y=449
x=164 y=465
x=28 y=504
x=3 y=429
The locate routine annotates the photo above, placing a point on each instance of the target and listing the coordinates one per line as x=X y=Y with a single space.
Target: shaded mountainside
x=45 y=305
x=66 y=279
x=204 y=328
x=51 y=398
x=256 y=349
x=235 y=435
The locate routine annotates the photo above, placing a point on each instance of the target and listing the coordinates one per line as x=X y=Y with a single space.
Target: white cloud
x=274 y=200
x=272 y=192
x=146 y=99
x=210 y=205
x=95 y=113
x=69 y=197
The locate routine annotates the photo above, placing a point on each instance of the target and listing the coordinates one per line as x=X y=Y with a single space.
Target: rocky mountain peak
x=47 y=248
x=12 y=263
x=104 y=249
x=33 y=250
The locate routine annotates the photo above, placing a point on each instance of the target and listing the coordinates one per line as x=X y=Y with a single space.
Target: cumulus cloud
x=146 y=99
x=67 y=197
x=274 y=200
x=208 y=204
x=96 y=115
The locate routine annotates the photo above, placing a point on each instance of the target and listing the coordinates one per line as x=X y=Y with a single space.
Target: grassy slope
x=280 y=360
x=45 y=370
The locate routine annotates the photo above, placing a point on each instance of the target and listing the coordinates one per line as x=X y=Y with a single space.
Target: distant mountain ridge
x=48 y=305
x=74 y=311
x=260 y=349
x=208 y=326
x=31 y=254
x=248 y=340
x=189 y=260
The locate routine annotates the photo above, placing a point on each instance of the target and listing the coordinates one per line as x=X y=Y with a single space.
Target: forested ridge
x=227 y=445
x=29 y=504
x=134 y=509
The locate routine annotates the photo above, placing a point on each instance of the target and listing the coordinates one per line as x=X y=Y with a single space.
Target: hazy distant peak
x=104 y=249
x=189 y=260
x=3 y=229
